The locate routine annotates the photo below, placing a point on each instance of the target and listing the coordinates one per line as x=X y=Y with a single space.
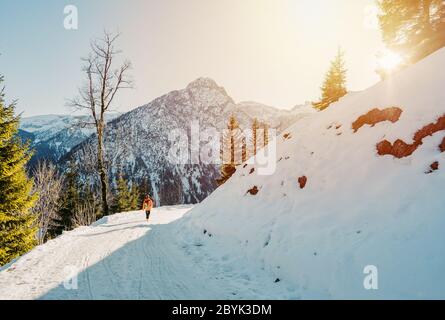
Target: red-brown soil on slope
x=401 y=149
x=376 y=116
x=302 y=181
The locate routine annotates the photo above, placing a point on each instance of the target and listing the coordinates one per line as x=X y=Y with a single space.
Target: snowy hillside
x=138 y=142
x=360 y=184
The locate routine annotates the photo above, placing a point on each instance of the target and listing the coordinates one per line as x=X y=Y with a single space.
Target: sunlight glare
x=389 y=60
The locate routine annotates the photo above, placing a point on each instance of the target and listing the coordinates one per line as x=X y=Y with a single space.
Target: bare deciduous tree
x=85 y=214
x=97 y=95
x=48 y=185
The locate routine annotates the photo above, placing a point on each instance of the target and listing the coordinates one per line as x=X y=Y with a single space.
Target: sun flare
x=389 y=60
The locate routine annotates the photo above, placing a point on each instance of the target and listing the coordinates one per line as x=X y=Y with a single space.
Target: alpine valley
x=137 y=142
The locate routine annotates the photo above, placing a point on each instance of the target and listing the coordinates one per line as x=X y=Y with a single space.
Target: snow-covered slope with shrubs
x=339 y=201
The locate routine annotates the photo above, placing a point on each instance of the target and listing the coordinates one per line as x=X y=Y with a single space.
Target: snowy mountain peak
x=206 y=92
x=203 y=82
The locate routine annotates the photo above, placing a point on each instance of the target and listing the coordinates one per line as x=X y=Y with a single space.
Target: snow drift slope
x=357 y=208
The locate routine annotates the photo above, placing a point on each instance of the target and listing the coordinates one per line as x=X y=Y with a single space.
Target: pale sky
x=271 y=51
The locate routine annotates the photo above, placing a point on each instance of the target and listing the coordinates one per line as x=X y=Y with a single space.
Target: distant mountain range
x=137 y=142
x=52 y=136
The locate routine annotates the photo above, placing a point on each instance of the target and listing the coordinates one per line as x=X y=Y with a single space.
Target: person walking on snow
x=147 y=205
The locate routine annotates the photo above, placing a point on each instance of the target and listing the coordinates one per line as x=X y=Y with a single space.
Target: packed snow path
x=122 y=257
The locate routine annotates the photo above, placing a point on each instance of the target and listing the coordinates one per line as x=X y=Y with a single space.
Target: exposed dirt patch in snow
x=287 y=136
x=442 y=145
x=433 y=167
x=253 y=191
x=398 y=149
x=376 y=116
x=302 y=181
x=401 y=149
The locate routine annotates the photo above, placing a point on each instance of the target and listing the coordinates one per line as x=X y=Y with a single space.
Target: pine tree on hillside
x=255 y=127
x=265 y=134
x=123 y=196
x=334 y=86
x=413 y=28
x=231 y=150
x=134 y=197
x=17 y=225
x=70 y=201
x=244 y=153
x=234 y=138
x=144 y=188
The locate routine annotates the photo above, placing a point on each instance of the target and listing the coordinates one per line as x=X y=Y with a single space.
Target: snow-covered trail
x=121 y=257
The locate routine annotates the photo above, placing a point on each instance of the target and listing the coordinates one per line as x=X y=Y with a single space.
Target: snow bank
x=357 y=208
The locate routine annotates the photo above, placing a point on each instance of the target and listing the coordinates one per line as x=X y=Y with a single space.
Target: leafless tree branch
x=99 y=92
x=47 y=185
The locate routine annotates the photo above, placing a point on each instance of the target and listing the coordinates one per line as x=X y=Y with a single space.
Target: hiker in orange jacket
x=147 y=205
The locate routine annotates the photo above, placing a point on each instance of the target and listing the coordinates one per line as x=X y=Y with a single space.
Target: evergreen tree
x=122 y=199
x=265 y=134
x=144 y=189
x=134 y=197
x=126 y=199
x=334 y=86
x=70 y=201
x=244 y=150
x=231 y=151
x=234 y=136
x=255 y=127
x=413 y=28
x=17 y=225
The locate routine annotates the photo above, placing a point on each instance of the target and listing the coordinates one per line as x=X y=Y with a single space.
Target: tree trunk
x=255 y=139
x=266 y=135
x=232 y=148
x=244 y=150
x=102 y=172
x=427 y=27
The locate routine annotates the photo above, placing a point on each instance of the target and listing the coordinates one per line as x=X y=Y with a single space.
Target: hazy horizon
x=271 y=52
